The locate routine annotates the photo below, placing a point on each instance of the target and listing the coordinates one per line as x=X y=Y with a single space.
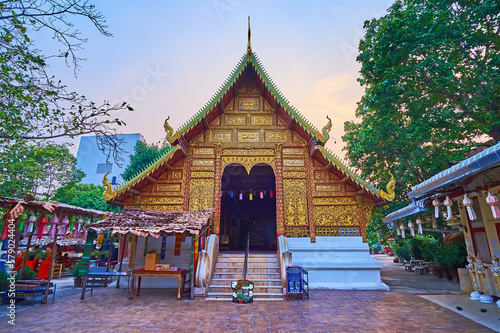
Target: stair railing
x=245 y=264
x=206 y=262
x=285 y=258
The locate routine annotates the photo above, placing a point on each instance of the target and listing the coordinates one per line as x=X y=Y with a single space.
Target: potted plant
x=401 y=250
x=453 y=256
x=78 y=275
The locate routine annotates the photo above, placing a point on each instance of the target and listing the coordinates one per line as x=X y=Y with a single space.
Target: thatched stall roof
x=154 y=223
x=68 y=241
x=48 y=207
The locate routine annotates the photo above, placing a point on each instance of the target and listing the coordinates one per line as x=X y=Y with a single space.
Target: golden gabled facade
x=250 y=124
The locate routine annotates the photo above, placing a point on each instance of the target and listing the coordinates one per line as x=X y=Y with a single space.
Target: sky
x=168 y=58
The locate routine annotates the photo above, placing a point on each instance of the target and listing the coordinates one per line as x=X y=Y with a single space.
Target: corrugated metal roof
x=488 y=158
x=413 y=208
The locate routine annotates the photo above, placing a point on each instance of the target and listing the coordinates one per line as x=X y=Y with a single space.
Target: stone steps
x=262 y=269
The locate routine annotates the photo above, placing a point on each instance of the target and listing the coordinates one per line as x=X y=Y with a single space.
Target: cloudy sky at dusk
x=167 y=58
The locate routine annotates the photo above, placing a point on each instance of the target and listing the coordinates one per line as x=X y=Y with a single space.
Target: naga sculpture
x=324 y=136
x=107 y=194
x=390 y=195
x=169 y=130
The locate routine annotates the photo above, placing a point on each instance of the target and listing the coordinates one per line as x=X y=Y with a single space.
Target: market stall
x=143 y=224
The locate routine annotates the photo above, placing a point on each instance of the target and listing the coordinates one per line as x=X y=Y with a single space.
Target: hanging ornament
x=261 y=195
x=402 y=227
x=398 y=231
x=492 y=200
x=419 y=223
x=85 y=232
x=100 y=238
x=412 y=228
x=241 y=195
x=250 y=196
x=434 y=222
x=63 y=227
x=42 y=222
x=53 y=227
x=22 y=218
x=271 y=194
x=31 y=224
x=470 y=210
x=448 y=203
x=231 y=194
x=436 y=204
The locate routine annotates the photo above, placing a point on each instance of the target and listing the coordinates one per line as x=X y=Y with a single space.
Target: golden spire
x=249 y=45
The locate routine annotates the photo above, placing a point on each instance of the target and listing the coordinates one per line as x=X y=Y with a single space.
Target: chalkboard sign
x=294 y=280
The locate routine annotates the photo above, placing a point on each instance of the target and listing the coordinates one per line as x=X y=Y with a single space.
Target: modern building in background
x=91 y=160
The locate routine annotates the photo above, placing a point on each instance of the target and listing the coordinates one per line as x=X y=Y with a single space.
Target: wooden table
x=140 y=273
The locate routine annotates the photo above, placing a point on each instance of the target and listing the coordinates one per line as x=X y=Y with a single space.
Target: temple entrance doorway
x=248 y=206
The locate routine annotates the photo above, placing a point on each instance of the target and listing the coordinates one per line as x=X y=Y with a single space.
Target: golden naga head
x=169 y=130
x=107 y=194
x=390 y=195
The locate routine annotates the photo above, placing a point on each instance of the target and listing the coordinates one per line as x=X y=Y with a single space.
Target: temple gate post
x=280 y=227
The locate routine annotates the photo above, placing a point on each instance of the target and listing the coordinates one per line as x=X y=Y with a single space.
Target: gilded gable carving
x=201 y=194
x=220 y=136
x=168 y=187
x=276 y=136
x=335 y=215
x=248 y=136
x=248 y=104
x=235 y=120
x=203 y=151
x=262 y=120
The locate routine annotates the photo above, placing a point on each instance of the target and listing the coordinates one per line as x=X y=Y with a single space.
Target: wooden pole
x=110 y=251
x=123 y=241
x=53 y=256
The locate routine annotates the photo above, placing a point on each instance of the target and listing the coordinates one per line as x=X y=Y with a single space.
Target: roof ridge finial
x=249 y=45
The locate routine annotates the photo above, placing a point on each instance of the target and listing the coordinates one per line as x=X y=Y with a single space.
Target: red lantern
x=42 y=222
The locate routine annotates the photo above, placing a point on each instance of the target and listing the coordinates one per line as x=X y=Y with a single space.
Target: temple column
x=215 y=226
x=280 y=228
x=309 y=184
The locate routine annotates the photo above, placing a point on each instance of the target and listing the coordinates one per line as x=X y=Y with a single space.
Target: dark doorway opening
x=248 y=206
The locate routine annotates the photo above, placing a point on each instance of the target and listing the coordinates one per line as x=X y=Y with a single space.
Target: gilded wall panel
x=293 y=163
x=248 y=104
x=203 y=163
x=168 y=187
x=293 y=151
x=235 y=120
x=328 y=187
x=334 y=201
x=295 y=201
x=276 y=137
x=335 y=215
x=162 y=200
x=248 y=136
x=248 y=152
x=262 y=120
x=202 y=174
x=248 y=161
x=297 y=231
x=221 y=136
x=294 y=174
x=201 y=193
x=319 y=175
x=177 y=175
x=203 y=151
x=173 y=208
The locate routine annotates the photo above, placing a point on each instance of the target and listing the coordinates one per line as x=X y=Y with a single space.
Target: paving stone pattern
x=158 y=310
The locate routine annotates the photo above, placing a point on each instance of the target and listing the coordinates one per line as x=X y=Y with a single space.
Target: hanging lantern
x=63 y=227
x=231 y=194
x=470 y=210
x=436 y=204
x=72 y=223
x=42 y=222
x=85 y=232
x=250 y=196
x=30 y=226
x=448 y=203
x=5 y=226
x=419 y=223
x=261 y=195
x=53 y=227
x=412 y=228
x=271 y=194
x=22 y=218
x=402 y=227
x=492 y=200
x=100 y=239
x=398 y=231
x=241 y=195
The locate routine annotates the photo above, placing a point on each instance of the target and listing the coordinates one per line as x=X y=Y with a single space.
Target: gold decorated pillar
x=310 y=211
x=279 y=190
x=361 y=216
x=215 y=227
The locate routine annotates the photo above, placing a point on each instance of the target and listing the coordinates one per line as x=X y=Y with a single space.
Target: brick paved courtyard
x=157 y=310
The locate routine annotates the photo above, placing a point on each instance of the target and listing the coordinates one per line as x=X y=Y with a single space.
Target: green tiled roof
x=160 y=160
x=354 y=177
x=245 y=61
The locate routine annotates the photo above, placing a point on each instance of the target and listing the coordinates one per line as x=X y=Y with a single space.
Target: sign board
x=294 y=280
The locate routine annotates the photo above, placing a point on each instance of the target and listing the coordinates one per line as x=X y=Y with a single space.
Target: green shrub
x=76 y=271
x=28 y=274
x=3 y=280
x=452 y=255
x=428 y=247
x=401 y=248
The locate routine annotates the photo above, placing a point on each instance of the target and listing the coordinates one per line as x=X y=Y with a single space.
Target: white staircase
x=262 y=269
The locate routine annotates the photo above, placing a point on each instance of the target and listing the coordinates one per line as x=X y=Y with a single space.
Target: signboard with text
x=294 y=283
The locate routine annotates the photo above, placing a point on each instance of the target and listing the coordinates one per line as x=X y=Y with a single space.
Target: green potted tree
x=453 y=256
x=401 y=249
x=78 y=275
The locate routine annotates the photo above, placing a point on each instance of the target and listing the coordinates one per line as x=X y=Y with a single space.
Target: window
x=104 y=168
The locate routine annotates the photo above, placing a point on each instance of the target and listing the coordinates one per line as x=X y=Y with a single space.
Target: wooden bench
x=29 y=290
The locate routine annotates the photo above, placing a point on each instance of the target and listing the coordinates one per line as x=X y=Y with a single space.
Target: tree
x=142 y=157
x=34 y=106
x=40 y=172
x=432 y=89
x=83 y=195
